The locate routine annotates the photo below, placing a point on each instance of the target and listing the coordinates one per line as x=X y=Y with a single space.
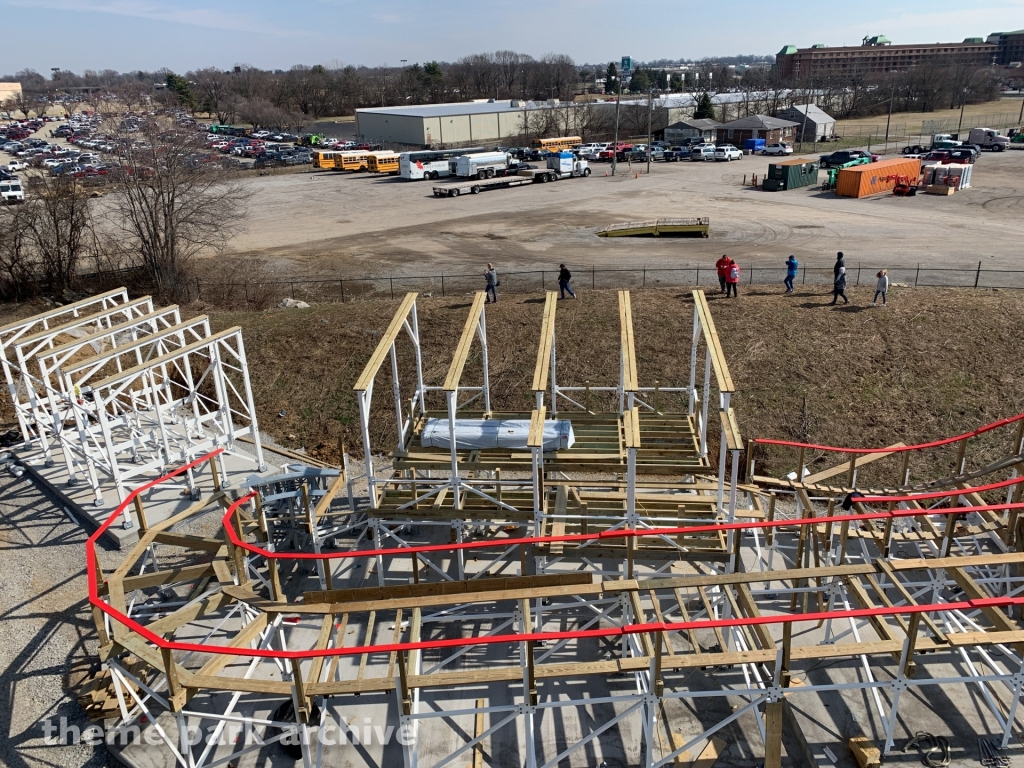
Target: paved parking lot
x=324 y=223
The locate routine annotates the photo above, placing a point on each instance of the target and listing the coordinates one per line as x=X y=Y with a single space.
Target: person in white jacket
x=882 y=287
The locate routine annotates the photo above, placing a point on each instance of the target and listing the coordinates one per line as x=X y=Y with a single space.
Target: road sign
x=627 y=64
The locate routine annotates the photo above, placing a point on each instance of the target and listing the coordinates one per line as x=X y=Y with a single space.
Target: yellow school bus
x=382 y=162
x=556 y=145
x=326 y=159
x=352 y=160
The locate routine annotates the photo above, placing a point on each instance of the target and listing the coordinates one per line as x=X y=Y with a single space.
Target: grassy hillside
x=933 y=363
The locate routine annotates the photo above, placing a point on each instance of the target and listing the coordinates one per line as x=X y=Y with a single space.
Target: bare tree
x=59 y=229
x=213 y=89
x=171 y=206
x=18 y=262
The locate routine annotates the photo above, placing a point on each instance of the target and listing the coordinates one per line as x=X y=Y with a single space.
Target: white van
x=11 y=191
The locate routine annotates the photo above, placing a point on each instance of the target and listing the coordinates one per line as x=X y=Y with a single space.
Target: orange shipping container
x=876 y=178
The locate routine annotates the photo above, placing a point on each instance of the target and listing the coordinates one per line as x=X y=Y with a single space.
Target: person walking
x=881 y=287
x=491 y=276
x=840 y=264
x=839 y=287
x=722 y=265
x=732 y=280
x=564 y=276
x=791 y=269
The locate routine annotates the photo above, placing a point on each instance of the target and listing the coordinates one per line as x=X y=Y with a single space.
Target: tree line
x=293 y=97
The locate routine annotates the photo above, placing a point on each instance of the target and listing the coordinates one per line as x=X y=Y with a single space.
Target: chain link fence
x=263 y=294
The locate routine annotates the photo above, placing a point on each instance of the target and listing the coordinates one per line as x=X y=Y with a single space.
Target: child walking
x=882 y=287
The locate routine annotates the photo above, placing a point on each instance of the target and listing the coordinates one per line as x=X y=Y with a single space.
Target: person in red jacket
x=732 y=279
x=722 y=265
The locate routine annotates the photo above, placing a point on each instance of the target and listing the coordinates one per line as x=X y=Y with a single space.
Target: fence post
x=593 y=277
x=751 y=280
x=805 y=275
x=293 y=289
x=246 y=295
x=342 y=291
x=442 y=286
x=392 y=280
x=542 y=286
x=918 y=274
x=977 y=275
x=698 y=277
x=858 y=274
x=645 y=278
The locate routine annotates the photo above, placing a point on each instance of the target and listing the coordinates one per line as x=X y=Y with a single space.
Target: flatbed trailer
x=527 y=176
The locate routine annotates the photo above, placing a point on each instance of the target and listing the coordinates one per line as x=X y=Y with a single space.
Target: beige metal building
x=9 y=91
x=434 y=125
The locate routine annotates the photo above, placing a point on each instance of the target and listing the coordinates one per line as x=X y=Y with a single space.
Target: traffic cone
x=636 y=175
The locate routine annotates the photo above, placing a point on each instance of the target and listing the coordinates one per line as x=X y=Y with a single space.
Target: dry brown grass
x=932 y=363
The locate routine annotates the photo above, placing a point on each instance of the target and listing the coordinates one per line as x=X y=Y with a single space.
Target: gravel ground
x=46 y=631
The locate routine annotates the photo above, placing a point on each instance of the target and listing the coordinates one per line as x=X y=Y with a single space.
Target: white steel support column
x=482 y=333
x=704 y=409
x=414 y=334
x=691 y=408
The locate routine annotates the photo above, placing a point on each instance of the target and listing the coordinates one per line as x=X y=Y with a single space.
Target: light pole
x=650 y=112
x=963 y=99
x=892 y=95
x=615 y=141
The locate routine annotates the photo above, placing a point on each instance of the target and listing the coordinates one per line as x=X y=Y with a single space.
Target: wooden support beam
x=469 y=330
x=547 y=339
x=718 y=363
x=384 y=345
x=626 y=346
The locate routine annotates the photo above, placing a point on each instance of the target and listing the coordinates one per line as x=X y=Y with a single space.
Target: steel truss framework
x=551 y=631
x=126 y=390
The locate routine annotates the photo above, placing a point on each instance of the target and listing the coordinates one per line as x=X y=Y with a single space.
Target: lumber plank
x=547 y=339
x=384 y=345
x=451 y=382
x=626 y=345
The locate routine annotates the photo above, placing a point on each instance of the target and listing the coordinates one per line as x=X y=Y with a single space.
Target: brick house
x=771 y=129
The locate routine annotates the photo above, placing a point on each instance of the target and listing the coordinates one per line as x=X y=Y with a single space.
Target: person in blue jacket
x=791 y=267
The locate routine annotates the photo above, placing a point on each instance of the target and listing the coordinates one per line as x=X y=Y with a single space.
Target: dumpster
x=790 y=174
x=876 y=178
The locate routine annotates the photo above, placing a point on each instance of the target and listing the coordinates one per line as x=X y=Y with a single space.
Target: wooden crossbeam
x=384 y=345
x=631 y=427
x=721 y=368
x=731 y=430
x=628 y=350
x=841 y=469
x=535 y=437
x=451 y=382
x=547 y=339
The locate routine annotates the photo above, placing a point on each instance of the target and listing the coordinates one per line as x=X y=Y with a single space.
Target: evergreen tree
x=179 y=86
x=611 y=79
x=705 y=109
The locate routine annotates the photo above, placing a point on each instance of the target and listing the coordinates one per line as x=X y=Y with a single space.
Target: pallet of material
x=699 y=225
x=939 y=189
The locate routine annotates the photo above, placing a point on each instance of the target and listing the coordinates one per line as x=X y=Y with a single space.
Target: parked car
x=703 y=152
x=16 y=165
x=728 y=153
x=778 y=148
x=964 y=154
x=844 y=156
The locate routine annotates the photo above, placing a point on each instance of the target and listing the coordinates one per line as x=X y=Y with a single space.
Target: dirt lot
x=328 y=224
x=933 y=363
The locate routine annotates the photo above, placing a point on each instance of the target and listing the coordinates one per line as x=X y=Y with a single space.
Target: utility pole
x=650 y=112
x=892 y=95
x=615 y=142
x=803 y=127
x=963 y=99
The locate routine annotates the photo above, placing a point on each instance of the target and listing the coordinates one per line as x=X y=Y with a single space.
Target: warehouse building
x=448 y=125
x=694 y=128
x=771 y=129
x=9 y=91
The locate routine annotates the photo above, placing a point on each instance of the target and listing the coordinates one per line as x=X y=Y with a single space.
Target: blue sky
x=148 y=34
